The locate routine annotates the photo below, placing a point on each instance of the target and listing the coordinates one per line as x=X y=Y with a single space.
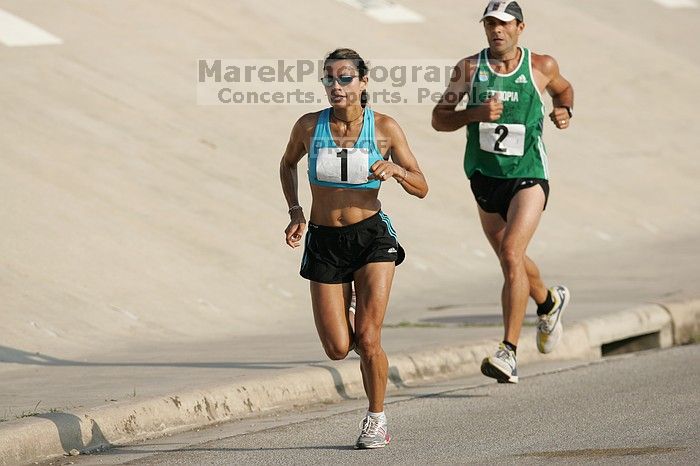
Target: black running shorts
x=333 y=254
x=494 y=194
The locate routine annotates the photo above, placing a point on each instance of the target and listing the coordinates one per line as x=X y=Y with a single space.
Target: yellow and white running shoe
x=549 y=327
x=501 y=366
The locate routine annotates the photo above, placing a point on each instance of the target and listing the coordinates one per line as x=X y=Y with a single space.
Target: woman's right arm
x=296 y=149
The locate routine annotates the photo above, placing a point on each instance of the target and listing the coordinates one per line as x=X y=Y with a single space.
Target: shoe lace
x=543 y=324
x=370 y=426
x=503 y=354
x=506 y=355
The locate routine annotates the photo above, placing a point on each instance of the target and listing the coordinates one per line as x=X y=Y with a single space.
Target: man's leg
x=494 y=228
x=510 y=240
x=524 y=216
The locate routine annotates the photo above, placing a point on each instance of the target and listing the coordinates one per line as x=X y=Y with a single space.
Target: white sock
x=381 y=415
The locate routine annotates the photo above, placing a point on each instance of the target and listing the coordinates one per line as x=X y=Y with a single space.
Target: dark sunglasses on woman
x=343 y=80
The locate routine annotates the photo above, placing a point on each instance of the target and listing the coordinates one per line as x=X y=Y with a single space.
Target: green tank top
x=510 y=147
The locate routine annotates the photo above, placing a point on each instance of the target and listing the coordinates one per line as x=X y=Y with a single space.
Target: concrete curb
x=55 y=434
x=685 y=319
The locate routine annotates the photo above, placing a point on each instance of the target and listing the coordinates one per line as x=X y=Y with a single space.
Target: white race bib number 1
x=348 y=166
x=502 y=139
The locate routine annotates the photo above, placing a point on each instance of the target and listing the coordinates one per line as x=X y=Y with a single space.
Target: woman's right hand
x=295 y=230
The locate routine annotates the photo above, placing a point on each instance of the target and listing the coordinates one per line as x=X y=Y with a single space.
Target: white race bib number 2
x=502 y=139
x=347 y=166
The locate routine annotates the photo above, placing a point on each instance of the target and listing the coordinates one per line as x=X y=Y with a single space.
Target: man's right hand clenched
x=491 y=110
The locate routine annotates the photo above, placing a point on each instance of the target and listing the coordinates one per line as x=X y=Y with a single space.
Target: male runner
x=506 y=163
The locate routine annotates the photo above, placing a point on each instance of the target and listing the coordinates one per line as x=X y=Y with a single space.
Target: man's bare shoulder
x=471 y=61
x=466 y=67
x=545 y=64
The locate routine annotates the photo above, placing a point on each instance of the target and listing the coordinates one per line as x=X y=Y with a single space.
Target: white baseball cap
x=503 y=10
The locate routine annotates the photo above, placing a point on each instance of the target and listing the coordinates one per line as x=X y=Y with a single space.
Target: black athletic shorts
x=333 y=254
x=494 y=194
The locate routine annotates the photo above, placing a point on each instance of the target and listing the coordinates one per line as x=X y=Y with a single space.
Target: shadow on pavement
x=16 y=356
x=69 y=433
x=131 y=451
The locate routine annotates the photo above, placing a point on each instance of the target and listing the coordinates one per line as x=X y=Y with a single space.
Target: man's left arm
x=559 y=89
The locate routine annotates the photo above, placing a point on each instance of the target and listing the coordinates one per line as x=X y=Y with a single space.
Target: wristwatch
x=570 y=111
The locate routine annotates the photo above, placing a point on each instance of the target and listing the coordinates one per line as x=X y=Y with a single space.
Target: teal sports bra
x=346 y=167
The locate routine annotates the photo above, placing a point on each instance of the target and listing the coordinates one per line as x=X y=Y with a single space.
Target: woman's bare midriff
x=338 y=207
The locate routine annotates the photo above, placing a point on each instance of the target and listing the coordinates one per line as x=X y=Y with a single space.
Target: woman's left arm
x=404 y=166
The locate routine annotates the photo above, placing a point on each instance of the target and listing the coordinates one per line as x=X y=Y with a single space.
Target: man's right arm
x=446 y=118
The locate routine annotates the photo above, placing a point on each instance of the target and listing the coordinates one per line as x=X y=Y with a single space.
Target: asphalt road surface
x=641 y=408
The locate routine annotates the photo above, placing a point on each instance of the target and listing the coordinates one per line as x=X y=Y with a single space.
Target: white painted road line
x=678 y=3
x=16 y=32
x=385 y=11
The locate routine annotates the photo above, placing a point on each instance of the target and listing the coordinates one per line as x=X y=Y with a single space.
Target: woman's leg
x=330 y=304
x=372 y=288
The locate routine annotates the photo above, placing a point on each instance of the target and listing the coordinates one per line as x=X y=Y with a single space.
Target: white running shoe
x=375 y=433
x=549 y=327
x=501 y=366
